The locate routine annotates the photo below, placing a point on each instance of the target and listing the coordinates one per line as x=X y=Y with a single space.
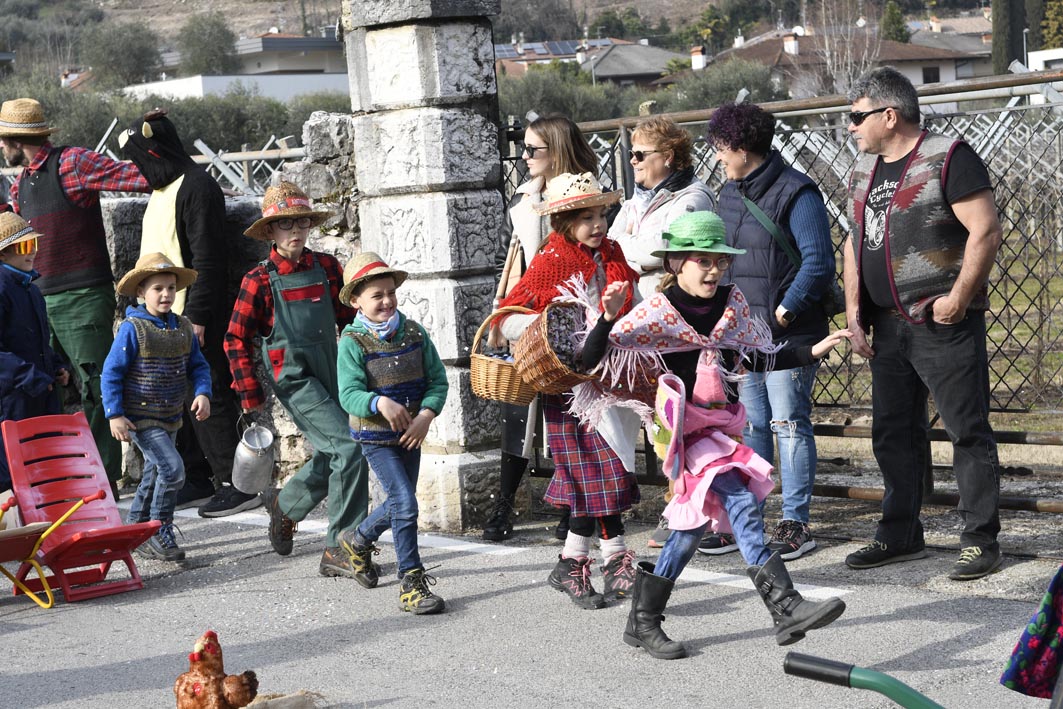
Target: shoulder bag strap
x=773 y=229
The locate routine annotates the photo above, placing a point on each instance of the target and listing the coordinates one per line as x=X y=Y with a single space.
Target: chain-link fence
x=1023 y=147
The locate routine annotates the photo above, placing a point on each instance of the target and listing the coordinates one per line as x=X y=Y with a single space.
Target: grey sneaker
x=791 y=539
x=716 y=544
x=975 y=562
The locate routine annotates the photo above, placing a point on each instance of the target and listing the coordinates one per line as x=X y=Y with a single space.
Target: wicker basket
x=493 y=378
x=538 y=364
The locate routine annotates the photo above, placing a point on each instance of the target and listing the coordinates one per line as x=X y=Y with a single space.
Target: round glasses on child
x=25 y=248
x=287 y=224
x=705 y=263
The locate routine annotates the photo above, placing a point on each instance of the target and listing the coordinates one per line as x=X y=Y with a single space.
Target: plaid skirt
x=588 y=476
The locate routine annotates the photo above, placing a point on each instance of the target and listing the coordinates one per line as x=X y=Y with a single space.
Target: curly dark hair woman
x=743 y=126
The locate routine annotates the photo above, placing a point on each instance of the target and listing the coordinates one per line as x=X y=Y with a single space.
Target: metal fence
x=1022 y=144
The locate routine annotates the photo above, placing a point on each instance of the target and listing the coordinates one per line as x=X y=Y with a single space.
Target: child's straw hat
x=567 y=192
x=284 y=201
x=152 y=265
x=361 y=268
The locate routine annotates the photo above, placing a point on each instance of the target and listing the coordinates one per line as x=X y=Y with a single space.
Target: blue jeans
x=396 y=468
x=164 y=474
x=779 y=404
x=747 y=525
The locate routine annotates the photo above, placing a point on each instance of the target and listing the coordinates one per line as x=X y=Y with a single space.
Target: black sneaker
x=281 y=528
x=416 y=597
x=716 y=544
x=660 y=535
x=878 y=554
x=499 y=528
x=791 y=539
x=573 y=576
x=228 y=501
x=975 y=562
x=162 y=545
x=618 y=576
x=360 y=560
x=194 y=494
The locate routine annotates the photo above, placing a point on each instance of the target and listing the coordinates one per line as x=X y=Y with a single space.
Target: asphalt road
x=507 y=639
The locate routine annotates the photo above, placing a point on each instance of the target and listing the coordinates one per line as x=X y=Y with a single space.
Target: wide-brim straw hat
x=284 y=201
x=14 y=230
x=696 y=231
x=23 y=117
x=568 y=191
x=152 y=265
x=361 y=268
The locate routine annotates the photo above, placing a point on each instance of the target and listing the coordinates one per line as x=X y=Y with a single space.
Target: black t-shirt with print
x=967 y=174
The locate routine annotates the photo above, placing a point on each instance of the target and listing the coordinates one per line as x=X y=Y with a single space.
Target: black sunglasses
x=531 y=149
x=857 y=117
x=640 y=155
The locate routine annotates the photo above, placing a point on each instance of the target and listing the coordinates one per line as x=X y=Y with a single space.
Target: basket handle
x=487 y=321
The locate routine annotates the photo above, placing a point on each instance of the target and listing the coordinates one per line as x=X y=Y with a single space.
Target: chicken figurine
x=206 y=686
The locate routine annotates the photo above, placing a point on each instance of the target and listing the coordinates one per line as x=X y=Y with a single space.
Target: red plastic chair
x=23 y=543
x=54 y=462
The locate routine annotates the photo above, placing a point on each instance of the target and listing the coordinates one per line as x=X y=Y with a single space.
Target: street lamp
x=1025 y=54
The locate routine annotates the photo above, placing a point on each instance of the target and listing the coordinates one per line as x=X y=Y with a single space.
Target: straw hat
x=284 y=201
x=361 y=268
x=567 y=191
x=152 y=265
x=696 y=231
x=14 y=230
x=23 y=117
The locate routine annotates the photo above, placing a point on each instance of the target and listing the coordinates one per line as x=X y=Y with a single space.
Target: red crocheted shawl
x=561 y=259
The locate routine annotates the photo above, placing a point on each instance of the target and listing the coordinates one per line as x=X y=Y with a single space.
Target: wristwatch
x=787 y=316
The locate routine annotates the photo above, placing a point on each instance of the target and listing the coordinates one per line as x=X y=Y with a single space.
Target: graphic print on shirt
x=875 y=213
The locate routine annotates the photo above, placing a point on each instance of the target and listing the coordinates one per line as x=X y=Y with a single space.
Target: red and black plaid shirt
x=83 y=174
x=253 y=317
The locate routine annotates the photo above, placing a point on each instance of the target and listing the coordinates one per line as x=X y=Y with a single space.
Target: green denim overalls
x=301 y=354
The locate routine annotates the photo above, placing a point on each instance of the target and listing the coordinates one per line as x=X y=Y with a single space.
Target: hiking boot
x=660 y=535
x=975 y=562
x=281 y=528
x=194 y=494
x=360 y=559
x=573 y=576
x=791 y=613
x=878 y=554
x=716 y=544
x=335 y=562
x=561 y=530
x=618 y=576
x=228 y=501
x=791 y=539
x=162 y=545
x=415 y=596
x=499 y=528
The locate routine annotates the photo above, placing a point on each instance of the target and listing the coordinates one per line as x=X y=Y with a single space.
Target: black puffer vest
x=764 y=272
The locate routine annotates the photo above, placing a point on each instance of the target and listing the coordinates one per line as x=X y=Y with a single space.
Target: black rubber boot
x=793 y=615
x=648 y=599
x=499 y=528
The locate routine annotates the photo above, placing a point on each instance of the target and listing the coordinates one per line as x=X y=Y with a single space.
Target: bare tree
x=847 y=40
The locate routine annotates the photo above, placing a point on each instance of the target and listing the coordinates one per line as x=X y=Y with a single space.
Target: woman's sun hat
x=14 y=230
x=568 y=191
x=361 y=268
x=152 y=265
x=284 y=201
x=23 y=117
x=696 y=231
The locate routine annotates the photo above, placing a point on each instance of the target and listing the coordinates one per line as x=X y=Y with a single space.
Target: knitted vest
x=155 y=385
x=394 y=369
x=924 y=240
x=73 y=252
x=764 y=272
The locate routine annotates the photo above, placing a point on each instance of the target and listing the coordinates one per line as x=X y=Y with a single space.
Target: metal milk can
x=253 y=460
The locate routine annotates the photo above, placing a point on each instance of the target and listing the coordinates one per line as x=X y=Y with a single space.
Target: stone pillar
x=427 y=165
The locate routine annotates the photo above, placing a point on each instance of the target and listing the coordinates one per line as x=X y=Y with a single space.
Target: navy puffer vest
x=764 y=272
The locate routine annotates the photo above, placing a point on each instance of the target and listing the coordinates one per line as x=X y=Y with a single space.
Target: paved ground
x=507 y=638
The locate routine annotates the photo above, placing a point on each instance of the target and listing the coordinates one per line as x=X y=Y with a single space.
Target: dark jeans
x=949 y=362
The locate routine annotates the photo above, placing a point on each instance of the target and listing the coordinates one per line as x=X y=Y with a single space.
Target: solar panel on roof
x=505 y=51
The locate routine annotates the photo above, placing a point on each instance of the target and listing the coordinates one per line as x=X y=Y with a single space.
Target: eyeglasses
x=531 y=149
x=857 y=117
x=640 y=155
x=25 y=248
x=705 y=263
x=287 y=224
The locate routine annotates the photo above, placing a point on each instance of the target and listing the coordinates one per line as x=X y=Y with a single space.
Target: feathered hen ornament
x=206 y=686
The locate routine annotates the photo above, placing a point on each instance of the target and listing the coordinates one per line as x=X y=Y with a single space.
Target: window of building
x=931 y=74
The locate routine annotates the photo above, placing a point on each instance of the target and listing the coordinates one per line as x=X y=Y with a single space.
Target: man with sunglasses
x=925 y=235
x=58 y=192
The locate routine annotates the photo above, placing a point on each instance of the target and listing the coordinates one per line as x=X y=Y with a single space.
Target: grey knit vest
x=155 y=385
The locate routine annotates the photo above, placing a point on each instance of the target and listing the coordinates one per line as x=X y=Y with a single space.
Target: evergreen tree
x=1009 y=19
x=207 y=46
x=892 y=25
x=1035 y=14
x=1052 y=25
